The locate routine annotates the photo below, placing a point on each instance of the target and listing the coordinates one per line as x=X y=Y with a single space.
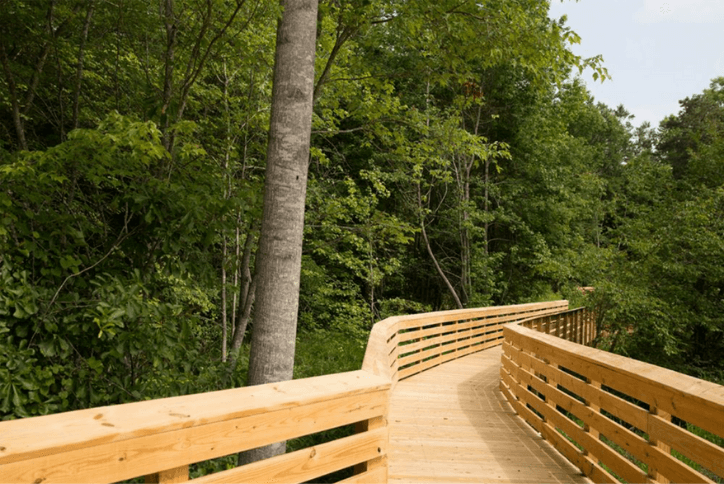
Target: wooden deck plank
x=452 y=424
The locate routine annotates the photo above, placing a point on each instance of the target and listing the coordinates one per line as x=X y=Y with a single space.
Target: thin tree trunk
x=224 y=323
x=237 y=267
x=61 y=108
x=10 y=79
x=279 y=256
x=246 y=267
x=169 y=20
x=242 y=322
x=79 y=69
x=431 y=253
x=246 y=296
x=486 y=207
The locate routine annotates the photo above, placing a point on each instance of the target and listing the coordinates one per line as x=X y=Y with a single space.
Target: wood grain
x=309 y=463
x=291 y=415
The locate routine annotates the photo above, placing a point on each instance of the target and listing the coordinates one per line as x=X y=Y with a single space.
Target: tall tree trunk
x=279 y=256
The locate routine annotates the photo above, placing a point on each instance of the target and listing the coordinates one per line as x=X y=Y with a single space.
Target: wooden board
x=452 y=424
x=305 y=464
x=197 y=441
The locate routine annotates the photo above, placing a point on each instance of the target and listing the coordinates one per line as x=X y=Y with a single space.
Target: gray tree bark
x=279 y=256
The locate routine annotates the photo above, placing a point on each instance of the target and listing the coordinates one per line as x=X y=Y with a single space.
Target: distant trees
x=660 y=276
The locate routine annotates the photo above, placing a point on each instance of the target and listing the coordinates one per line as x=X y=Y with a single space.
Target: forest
x=457 y=160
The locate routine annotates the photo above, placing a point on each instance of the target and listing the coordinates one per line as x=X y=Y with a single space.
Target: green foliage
x=96 y=315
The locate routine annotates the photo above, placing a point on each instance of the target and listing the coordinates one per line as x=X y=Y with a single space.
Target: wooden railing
x=576 y=325
x=615 y=418
x=158 y=439
x=402 y=346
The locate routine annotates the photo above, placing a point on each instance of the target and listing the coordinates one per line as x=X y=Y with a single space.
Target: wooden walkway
x=452 y=424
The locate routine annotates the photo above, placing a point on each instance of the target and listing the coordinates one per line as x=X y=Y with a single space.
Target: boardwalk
x=452 y=424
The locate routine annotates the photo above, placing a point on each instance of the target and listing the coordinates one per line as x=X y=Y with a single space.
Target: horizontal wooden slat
x=696 y=401
x=616 y=372
x=478 y=326
x=425 y=343
x=373 y=476
x=146 y=454
x=41 y=436
x=443 y=348
x=570 y=451
x=521 y=311
x=305 y=464
x=612 y=459
x=469 y=346
x=614 y=405
x=701 y=451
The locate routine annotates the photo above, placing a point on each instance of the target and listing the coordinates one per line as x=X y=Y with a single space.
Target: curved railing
x=402 y=346
x=160 y=438
x=615 y=418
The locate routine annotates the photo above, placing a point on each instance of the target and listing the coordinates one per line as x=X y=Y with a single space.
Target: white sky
x=656 y=51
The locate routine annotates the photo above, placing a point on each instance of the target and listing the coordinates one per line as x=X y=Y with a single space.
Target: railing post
x=569 y=326
x=379 y=462
x=179 y=474
x=558 y=326
x=553 y=382
x=654 y=473
x=579 y=327
x=594 y=433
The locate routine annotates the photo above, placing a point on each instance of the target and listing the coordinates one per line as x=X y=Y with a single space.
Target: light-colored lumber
x=701 y=451
x=305 y=464
x=521 y=311
x=171 y=476
x=373 y=424
x=570 y=451
x=616 y=406
x=160 y=438
x=452 y=424
x=695 y=401
x=375 y=475
x=381 y=350
x=612 y=459
x=529 y=357
x=146 y=454
x=84 y=428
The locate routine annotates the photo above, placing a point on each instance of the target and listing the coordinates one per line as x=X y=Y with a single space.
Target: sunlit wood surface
x=452 y=424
